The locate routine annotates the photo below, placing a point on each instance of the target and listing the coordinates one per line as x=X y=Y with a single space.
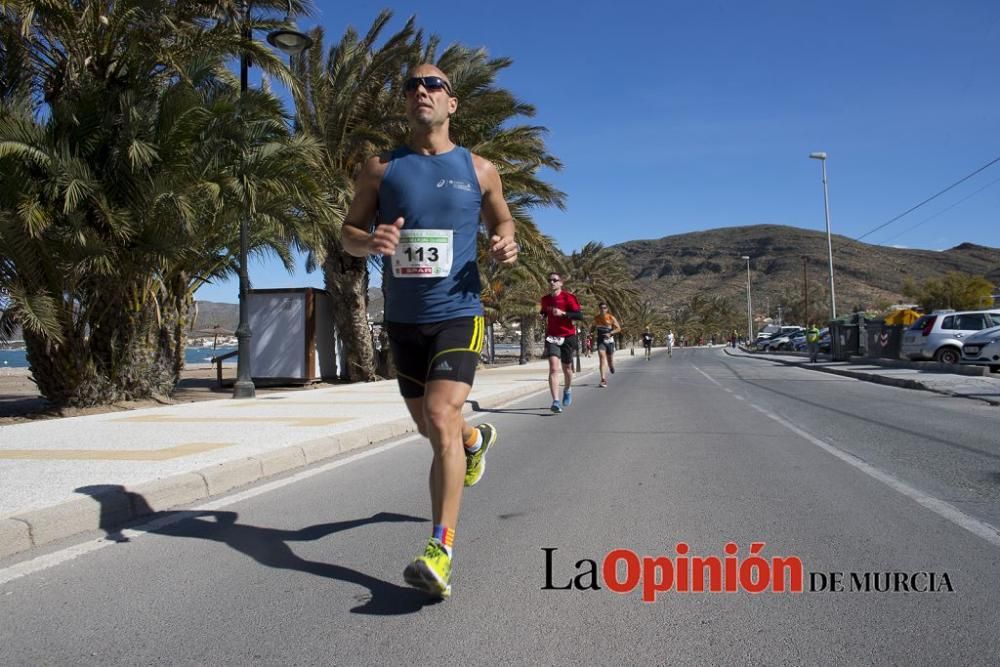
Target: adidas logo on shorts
x=443 y=366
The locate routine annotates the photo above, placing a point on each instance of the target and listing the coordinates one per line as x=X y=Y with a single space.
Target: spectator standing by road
x=812 y=341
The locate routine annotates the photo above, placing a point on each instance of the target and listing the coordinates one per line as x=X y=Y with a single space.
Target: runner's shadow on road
x=536 y=412
x=270 y=546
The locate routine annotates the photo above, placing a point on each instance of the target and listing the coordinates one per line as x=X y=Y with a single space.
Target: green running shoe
x=475 y=464
x=430 y=572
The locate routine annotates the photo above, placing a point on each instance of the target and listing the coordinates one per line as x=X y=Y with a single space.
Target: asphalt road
x=703 y=449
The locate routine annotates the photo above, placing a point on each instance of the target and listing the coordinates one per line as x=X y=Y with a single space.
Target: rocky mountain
x=673 y=269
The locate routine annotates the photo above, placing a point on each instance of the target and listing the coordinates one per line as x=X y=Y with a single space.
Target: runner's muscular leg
x=554 y=376
x=416 y=408
x=443 y=401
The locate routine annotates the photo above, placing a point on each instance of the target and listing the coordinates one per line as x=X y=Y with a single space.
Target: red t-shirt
x=561 y=325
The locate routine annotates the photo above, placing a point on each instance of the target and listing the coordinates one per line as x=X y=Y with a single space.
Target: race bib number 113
x=423 y=253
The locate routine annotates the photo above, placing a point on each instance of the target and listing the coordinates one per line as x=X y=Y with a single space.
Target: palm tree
x=128 y=154
x=600 y=274
x=351 y=102
x=642 y=315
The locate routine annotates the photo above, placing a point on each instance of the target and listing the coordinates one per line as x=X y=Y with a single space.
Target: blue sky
x=678 y=116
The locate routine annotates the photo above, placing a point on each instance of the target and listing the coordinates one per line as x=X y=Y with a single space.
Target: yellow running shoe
x=430 y=572
x=475 y=464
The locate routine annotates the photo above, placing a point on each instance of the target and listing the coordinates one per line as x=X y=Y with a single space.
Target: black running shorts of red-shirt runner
x=446 y=350
x=563 y=350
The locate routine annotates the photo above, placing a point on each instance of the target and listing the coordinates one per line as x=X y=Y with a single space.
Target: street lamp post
x=749 y=307
x=829 y=242
x=291 y=42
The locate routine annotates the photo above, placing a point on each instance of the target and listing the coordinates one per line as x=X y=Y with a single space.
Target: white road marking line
x=47 y=561
x=710 y=378
x=986 y=531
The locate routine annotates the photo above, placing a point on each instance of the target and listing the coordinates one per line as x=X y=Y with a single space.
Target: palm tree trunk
x=527 y=331
x=346 y=282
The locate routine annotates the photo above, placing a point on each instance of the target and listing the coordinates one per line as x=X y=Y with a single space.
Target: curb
x=872 y=377
x=23 y=531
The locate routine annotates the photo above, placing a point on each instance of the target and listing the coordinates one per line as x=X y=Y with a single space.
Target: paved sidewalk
x=149 y=460
x=909 y=374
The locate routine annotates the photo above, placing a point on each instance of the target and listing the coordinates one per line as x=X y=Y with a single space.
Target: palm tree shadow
x=270 y=546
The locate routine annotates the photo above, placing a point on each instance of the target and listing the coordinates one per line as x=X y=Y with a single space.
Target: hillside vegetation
x=674 y=269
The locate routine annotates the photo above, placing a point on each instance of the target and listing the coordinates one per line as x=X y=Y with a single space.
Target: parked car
x=794 y=340
x=983 y=349
x=940 y=335
x=783 y=339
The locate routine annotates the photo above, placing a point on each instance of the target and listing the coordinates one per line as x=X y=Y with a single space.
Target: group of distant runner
x=562 y=310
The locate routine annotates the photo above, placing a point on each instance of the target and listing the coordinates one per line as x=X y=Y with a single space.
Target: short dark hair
x=556 y=274
x=603 y=304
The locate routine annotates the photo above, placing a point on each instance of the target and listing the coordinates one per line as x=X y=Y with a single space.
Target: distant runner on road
x=647 y=343
x=561 y=310
x=605 y=328
x=670 y=343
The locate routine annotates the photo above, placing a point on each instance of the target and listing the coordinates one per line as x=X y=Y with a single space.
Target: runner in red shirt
x=560 y=310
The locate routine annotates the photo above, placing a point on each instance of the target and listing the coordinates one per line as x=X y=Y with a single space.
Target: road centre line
x=947 y=511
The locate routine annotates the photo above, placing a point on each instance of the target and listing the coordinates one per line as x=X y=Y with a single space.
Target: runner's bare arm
x=357 y=240
x=496 y=214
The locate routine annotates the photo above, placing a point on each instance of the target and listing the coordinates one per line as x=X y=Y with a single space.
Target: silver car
x=940 y=335
x=983 y=349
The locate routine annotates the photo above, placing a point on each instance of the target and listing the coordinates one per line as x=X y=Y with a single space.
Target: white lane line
x=710 y=378
x=986 y=531
x=47 y=561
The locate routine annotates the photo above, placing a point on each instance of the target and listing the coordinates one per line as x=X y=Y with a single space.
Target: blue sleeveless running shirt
x=433 y=192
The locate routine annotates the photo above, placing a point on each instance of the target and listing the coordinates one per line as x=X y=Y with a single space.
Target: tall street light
x=291 y=42
x=749 y=307
x=829 y=243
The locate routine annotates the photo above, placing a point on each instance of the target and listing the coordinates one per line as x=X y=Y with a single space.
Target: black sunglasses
x=555 y=280
x=431 y=83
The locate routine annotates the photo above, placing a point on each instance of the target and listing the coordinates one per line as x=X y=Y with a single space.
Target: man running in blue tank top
x=419 y=207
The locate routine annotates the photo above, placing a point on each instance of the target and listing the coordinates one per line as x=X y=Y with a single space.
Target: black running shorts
x=564 y=350
x=446 y=350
